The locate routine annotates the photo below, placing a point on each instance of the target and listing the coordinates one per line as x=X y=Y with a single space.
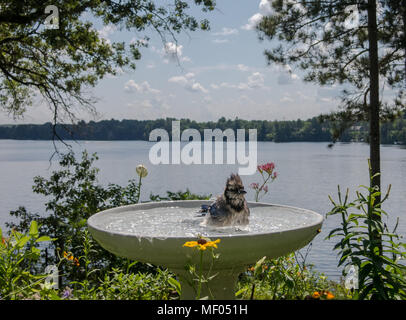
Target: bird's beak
x=242 y=191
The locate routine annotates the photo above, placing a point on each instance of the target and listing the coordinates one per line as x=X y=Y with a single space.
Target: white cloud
x=226 y=32
x=254 y=81
x=265 y=9
x=195 y=86
x=253 y=22
x=132 y=86
x=188 y=82
x=286 y=75
x=242 y=67
x=221 y=41
x=171 y=52
x=140 y=42
x=223 y=67
x=106 y=31
x=286 y=99
x=353 y=17
x=185 y=59
x=150 y=108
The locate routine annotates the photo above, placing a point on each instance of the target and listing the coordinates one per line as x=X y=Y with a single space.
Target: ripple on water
x=165 y=222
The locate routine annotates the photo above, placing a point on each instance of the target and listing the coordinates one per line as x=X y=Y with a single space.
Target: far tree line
x=311 y=130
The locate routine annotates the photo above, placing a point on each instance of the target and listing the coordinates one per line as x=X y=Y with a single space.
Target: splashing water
x=185 y=222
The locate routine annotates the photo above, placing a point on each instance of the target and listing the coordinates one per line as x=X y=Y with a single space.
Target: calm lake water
x=308 y=173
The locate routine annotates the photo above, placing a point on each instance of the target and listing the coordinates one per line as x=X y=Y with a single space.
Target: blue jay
x=230 y=208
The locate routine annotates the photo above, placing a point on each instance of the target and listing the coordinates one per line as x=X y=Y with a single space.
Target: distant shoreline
x=310 y=130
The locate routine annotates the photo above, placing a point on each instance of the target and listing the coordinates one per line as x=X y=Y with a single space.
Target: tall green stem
x=199 y=289
x=139 y=190
x=260 y=188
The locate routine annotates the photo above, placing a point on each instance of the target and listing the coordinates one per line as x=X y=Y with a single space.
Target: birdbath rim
x=318 y=218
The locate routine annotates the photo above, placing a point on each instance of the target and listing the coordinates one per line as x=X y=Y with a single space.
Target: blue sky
x=222 y=72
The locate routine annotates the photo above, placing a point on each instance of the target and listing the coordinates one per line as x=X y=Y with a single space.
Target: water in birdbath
x=174 y=221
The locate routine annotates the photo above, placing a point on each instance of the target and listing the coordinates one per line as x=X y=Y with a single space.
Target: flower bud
x=141 y=171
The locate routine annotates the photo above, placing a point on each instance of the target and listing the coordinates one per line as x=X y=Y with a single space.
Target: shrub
x=366 y=243
x=18 y=252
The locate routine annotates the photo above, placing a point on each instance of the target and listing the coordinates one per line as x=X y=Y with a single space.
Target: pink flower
x=275 y=175
x=265 y=188
x=267 y=167
x=254 y=185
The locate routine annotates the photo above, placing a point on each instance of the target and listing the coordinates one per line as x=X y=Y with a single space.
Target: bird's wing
x=204 y=208
x=216 y=212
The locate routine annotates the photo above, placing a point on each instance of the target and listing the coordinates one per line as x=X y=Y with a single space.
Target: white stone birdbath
x=155 y=233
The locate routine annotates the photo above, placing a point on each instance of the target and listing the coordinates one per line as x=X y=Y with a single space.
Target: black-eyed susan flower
x=202 y=244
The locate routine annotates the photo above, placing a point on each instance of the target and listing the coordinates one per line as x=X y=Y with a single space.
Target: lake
x=307 y=174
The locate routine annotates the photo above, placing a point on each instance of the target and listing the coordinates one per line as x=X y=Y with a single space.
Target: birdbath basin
x=155 y=233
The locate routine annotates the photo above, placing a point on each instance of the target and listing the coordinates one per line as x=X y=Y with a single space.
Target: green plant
x=84 y=264
x=180 y=195
x=74 y=194
x=18 y=252
x=198 y=278
x=115 y=283
x=284 y=278
x=120 y=285
x=366 y=243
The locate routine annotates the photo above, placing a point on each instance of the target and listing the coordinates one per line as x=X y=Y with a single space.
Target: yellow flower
x=190 y=244
x=68 y=255
x=316 y=295
x=329 y=295
x=212 y=244
x=201 y=244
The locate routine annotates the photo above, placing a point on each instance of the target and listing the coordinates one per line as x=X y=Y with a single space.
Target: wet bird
x=230 y=208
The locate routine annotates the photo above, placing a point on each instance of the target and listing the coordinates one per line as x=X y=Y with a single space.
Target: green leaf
x=241 y=291
x=34 y=229
x=174 y=283
x=43 y=238
x=52 y=295
x=35 y=250
x=22 y=241
x=260 y=262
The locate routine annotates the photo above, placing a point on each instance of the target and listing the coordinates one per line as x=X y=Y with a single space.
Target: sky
x=207 y=75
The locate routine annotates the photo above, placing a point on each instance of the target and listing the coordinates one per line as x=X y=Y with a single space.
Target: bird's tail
x=204 y=209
